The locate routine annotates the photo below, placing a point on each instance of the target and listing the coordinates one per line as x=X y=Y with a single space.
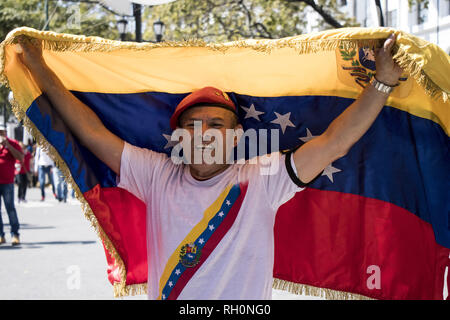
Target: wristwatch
x=382 y=87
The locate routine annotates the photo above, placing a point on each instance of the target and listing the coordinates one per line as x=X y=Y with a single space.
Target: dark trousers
x=22 y=182
x=7 y=193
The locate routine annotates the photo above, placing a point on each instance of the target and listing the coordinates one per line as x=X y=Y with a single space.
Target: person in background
x=10 y=151
x=22 y=174
x=61 y=186
x=29 y=146
x=33 y=174
x=43 y=165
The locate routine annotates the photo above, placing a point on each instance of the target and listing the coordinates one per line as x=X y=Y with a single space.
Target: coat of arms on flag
x=190 y=255
x=356 y=66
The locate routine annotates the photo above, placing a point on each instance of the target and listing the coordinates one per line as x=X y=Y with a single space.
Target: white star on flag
x=283 y=121
x=251 y=112
x=177 y=272
x=329 y=170
x=201 y=241
x=308 y=137
x=170 y=143
x=228 y=202
x=211 y=227
x=221 y=214
x=170 y=284
x=164 y=296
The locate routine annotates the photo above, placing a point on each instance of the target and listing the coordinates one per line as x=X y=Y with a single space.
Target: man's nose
x=204 y=127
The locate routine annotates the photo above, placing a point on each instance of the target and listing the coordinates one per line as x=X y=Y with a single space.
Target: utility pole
x=46 y=14
x=138 y=21
x=380 y=13
x=4 y=115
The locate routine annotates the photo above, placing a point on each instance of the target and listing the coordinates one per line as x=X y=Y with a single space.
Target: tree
x=330 y=14
x=76 y=17
x=221 y=20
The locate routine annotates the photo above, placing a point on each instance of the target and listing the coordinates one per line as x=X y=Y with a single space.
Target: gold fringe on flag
x=303 y=289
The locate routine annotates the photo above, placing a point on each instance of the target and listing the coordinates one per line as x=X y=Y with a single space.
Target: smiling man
x=210 y=225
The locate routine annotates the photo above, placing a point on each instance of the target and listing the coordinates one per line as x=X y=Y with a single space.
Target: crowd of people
x=25 y=166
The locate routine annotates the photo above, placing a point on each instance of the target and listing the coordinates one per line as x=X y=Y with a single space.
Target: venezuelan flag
x=374 y=225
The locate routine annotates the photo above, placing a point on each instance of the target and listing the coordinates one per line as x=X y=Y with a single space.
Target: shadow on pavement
x=28 y=226
x=35 y=245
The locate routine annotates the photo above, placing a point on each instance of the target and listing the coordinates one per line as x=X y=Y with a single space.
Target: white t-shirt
x=42 y=159
x=241 y=265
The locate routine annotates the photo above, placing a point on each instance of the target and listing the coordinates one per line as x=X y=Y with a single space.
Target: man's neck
x=202 y=175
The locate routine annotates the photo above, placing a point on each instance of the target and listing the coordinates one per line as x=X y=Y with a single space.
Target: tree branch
x=319 y=9
x=258 y=26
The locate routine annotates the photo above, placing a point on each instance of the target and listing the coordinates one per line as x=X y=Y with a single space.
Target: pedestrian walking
x=10 y=151
x=43 y=165
x=22 y=173
x=33 y=173
x=61 y=185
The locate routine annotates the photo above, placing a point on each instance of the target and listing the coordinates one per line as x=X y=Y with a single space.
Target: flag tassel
x=303 y=289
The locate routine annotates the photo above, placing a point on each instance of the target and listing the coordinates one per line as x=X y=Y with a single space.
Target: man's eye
x=217 y=125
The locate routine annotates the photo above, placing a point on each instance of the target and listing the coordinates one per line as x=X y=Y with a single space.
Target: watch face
x=382 y=87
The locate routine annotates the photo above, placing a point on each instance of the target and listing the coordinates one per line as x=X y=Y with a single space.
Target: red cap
x=209 y=96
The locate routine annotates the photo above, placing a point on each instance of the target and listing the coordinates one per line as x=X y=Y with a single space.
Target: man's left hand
x=388 y=71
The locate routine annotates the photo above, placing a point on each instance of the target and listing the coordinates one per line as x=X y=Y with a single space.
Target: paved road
x=60 y=256
x=58 y=245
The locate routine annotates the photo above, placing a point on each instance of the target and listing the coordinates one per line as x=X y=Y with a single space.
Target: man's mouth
x=204 y=147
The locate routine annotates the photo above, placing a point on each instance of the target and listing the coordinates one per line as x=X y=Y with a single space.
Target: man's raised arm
x=80 y=119
x=316 y=154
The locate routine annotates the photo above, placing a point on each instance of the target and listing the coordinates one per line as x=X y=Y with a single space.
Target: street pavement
x=60 y=256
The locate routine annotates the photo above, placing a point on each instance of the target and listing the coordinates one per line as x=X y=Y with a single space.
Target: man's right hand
x=30 y=53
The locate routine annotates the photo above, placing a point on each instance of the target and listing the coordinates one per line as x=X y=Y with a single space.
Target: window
x=443 y=8
x=391 y=18
x=422 y=13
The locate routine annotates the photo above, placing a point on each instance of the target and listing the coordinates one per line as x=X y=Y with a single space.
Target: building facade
x=431 y=22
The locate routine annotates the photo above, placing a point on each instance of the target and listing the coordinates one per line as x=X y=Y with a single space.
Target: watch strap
x=382 y=87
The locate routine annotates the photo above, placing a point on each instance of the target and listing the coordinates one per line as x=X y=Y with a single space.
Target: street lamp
x=122 y=27
x=158 y=28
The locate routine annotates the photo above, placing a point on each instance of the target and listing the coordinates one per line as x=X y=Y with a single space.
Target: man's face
x=213 y=121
